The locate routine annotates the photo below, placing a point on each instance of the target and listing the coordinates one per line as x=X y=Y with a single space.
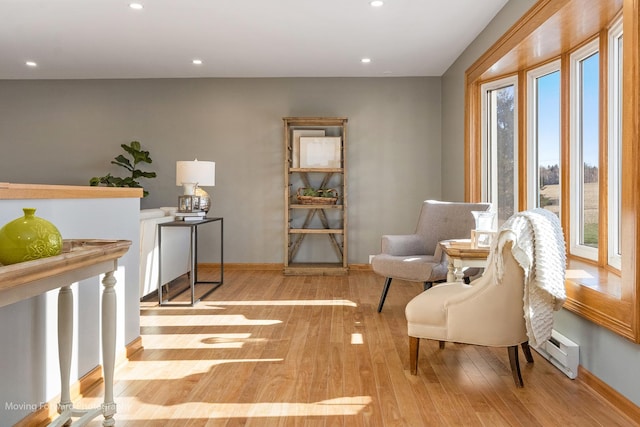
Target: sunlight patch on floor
x=190 y=341
x=356 y=338
x=160 y=370
x=174 y=369
x=205 y=320
x=129 y=409
x=327 y=302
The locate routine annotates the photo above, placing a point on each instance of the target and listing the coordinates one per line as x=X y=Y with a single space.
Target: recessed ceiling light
x=197 y=62
x=365 y=60
x=31 y=64
x=376 y=3
x=136 y=6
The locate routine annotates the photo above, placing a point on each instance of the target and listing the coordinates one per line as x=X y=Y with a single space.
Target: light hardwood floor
x=266 y=350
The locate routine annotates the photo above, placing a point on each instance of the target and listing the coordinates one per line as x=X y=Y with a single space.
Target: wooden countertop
x=461 y=248
x=27 y=279
x=11 y=191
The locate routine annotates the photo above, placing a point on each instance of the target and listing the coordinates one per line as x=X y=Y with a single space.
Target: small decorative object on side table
x=190 y=216
x=483 y=234
x=190 y=175
x=188 y=203
x=28 y=238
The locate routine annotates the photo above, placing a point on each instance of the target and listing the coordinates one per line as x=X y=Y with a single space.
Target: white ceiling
x=78 y=39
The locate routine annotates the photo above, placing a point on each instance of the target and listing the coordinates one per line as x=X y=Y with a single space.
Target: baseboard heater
x=562 y=353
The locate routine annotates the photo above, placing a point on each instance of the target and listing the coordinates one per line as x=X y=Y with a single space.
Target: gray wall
x=608 y=356
x=453 y=95
x=65 y=132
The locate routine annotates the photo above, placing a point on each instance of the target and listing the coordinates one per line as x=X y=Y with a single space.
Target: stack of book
x=190 y=216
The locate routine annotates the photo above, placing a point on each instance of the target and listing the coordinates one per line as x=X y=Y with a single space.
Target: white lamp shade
x=201 y=173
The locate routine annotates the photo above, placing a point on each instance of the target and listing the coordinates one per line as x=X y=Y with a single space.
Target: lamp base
x=189 y=189
x=205 y=199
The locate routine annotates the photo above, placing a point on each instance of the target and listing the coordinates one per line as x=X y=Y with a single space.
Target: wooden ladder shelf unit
x=302 y=220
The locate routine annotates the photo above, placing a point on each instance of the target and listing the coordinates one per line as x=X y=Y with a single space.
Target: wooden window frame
x=614 y=85
x=548 y=31
x=575 y=162
x=533 y=172
x=489 y=182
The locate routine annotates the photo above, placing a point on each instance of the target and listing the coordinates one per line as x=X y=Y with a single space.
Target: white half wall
x=30 y=374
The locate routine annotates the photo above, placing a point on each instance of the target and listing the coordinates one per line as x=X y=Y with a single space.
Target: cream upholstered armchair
x=417 y=257
x=512 y=303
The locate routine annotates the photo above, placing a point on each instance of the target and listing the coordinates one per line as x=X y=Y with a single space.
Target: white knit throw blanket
x=540 y=250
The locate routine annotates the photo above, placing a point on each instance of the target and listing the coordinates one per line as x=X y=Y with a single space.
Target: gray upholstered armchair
x=417 y=257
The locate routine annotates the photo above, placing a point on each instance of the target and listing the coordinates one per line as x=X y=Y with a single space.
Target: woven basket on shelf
x=330 y=197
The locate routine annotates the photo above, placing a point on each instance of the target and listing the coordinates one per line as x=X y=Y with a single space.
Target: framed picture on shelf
x=320 y=152
x=295 y=143
x=188 y=203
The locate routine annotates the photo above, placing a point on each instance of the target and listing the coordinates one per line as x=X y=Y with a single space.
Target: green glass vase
x=28 y=238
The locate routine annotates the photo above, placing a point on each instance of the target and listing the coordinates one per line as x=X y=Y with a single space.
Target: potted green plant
x=137 y=155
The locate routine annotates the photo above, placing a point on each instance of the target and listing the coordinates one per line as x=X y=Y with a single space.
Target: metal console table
x=193 y=259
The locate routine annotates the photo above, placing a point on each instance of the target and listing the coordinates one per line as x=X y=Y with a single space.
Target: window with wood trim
x=577 y=136
x=499 y=146
x=584 y=112
x=543 y=137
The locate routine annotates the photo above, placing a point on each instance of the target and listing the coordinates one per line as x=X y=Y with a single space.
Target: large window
x=543 y=87
x=577 y=154
x=585 y=143
x=499 y=148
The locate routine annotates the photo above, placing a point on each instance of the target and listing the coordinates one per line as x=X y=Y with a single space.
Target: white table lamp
x=191 y=175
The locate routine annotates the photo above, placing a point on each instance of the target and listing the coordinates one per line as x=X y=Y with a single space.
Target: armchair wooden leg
x=441 y=345
x=515 y=365
x=414 y=347
x=527 y=352
x=427 y=285
x=387 y=283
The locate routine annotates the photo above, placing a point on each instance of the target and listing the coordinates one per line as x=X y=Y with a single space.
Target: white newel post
x=65 y=346
x=109 y=307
